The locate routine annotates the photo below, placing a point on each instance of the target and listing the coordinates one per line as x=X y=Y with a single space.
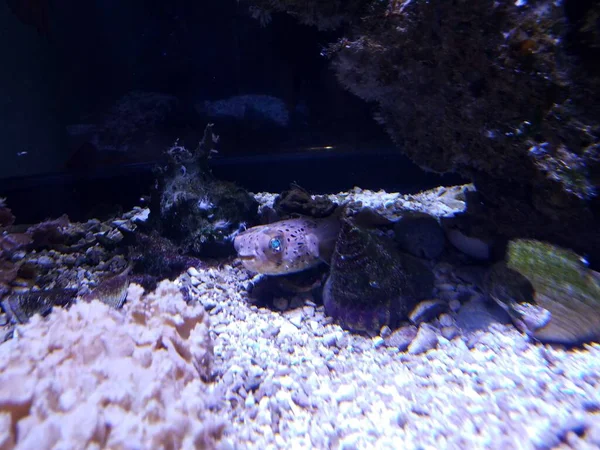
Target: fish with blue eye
x=287 y=246
x=275 y=245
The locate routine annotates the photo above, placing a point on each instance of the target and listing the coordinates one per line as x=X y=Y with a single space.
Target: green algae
x=562 y=285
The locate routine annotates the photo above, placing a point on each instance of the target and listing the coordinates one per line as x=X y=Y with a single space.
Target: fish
x=288 y=246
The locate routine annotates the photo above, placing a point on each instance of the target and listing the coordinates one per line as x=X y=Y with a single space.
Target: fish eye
x=275 y=244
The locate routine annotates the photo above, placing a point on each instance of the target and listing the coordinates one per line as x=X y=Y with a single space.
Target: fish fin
x=325 y=249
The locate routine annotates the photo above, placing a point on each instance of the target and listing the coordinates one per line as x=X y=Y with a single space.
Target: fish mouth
x=246 y=257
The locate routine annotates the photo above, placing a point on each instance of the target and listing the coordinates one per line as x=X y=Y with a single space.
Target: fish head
x=280 y=248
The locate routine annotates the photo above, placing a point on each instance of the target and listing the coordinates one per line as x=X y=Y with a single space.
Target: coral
x=95 y=377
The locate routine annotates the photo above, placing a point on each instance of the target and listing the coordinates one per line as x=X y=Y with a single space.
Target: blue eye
x=275 y=244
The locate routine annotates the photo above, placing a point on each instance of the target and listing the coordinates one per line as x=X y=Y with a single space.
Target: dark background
x=73 y=63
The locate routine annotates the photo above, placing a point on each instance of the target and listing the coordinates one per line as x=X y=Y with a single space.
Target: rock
x=103 y=354
x=426 y=339
x=420 y=235
x=450 y=332
x=426 y=311
x=472 y=246
x=345 y=393
x=402 y=337
x=548 y=291
x=478 y=314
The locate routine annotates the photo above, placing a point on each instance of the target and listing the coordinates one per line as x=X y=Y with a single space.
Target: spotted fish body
x=287 y=246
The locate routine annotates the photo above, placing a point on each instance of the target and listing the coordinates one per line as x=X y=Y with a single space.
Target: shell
x=372 y=284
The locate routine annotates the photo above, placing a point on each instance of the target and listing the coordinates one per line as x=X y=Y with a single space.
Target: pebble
x=426 y=311
x=45 y=261
x=454 y=305
x=295 y=316
x=330 y=339
x=402 y=337
x=426 y=339
x=446 y=320
x=450 y=332
x=345 y=393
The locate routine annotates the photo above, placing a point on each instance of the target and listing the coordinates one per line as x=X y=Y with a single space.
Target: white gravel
x=289 y=378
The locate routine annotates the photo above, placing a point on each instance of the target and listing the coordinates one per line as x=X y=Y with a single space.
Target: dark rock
x=510 y=101
x=20 y=307
x=299 y=201
x=420 y=235
x=426 y=311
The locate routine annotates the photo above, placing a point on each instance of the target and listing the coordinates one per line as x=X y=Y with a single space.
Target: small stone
x=378 y=342
x=401 y=419
x=426 y=339
x=209 y=304
x=45 y=261
x=402 y=337
x=195 y=281
x=330 y=339
x=193 y=272
x=308 y=311
x=141 y=216
x=423 y=371
x=454 y=305
x=419 y=409
x=281 y=303
x=295 y=317
x=385 y=331
x=301 y=399
x=426 y=311
x=345 y=393
x=287 y=329
x=450 y=332
x=446 y=320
